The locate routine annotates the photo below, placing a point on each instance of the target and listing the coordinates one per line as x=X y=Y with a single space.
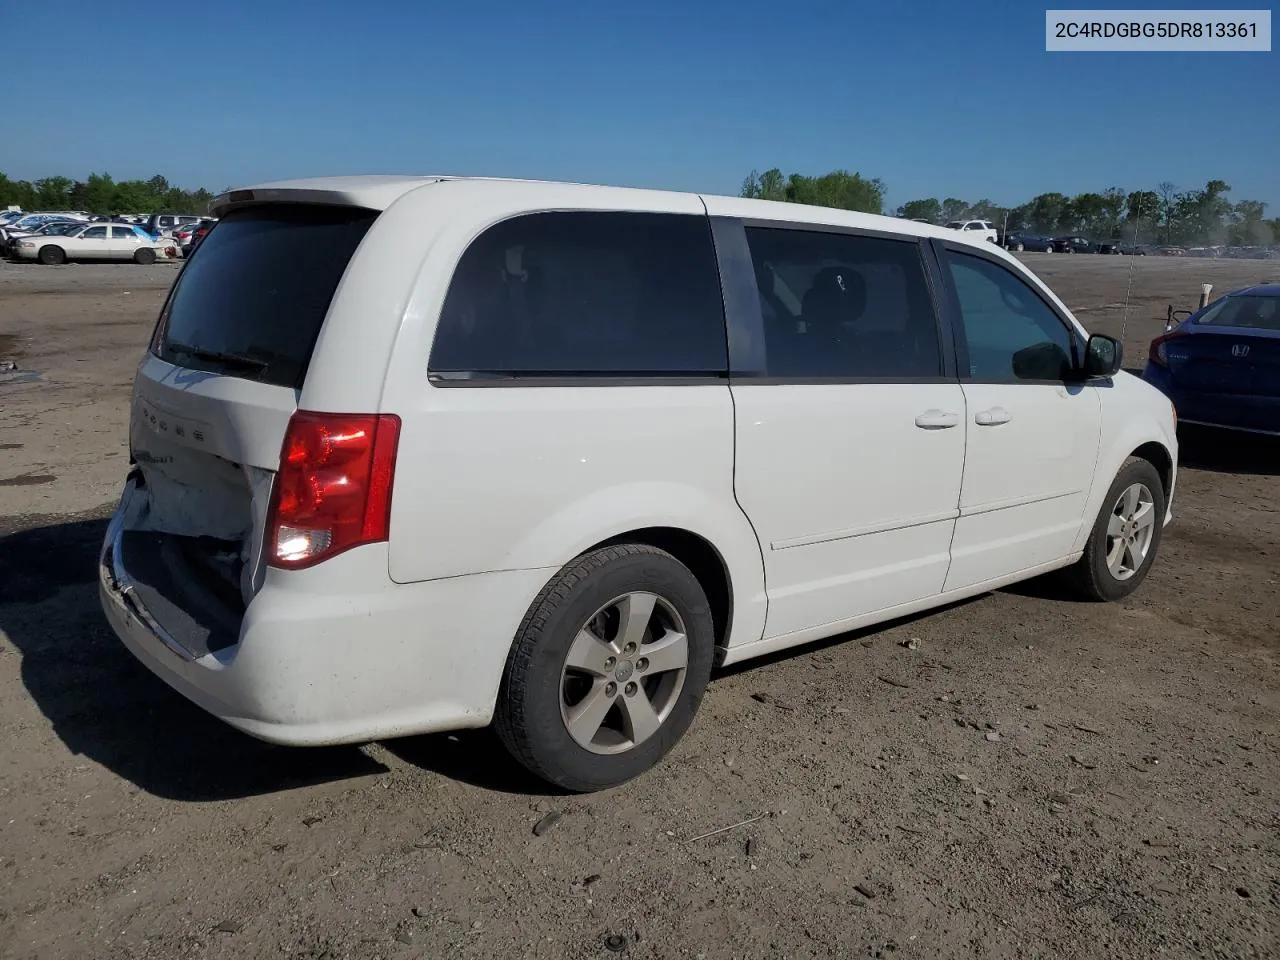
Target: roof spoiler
x=354 y=196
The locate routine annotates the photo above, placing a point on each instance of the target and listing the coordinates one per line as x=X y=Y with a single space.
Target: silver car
x=96 y=241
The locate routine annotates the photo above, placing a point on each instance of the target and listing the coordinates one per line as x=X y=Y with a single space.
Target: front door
x=92 y=244
x=1032 y=432
x=850 y=440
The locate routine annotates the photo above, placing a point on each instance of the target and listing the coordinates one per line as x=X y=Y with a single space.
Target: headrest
x=837 y=294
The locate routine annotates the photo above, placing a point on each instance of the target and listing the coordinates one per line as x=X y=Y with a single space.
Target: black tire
x=528 y=717
x=51 y=255
x=1091 y=578
x=145 y=256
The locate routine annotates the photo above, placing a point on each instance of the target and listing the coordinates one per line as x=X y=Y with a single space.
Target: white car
x=977 y=229
x=95 y=241
x=164 y=224
x=420 y=454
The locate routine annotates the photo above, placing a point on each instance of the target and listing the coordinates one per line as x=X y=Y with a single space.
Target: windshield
x=1248 y=312
x=254 y=294
x=955 y=223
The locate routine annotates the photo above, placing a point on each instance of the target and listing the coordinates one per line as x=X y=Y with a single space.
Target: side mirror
x=1103 y=356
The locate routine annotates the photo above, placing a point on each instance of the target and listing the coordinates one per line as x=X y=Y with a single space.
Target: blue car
x=1221 y=366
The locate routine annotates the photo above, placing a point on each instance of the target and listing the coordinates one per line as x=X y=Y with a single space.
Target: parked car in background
x=1072 y=245
x=983 y=229
x=182 y=234
x=186 y=234
x=1221 y=366
x=50 y=229
x=33 y=221
x=95 y=241
x=319 y=540
x=28 y=226
x=190 y=236
x=1031 y=242
x=163 y=224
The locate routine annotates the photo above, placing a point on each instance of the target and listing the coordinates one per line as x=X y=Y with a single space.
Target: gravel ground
x=1015 y=776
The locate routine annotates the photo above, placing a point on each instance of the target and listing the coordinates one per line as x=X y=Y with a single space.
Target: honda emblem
x=1239 y=350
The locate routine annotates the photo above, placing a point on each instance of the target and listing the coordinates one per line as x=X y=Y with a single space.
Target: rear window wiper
x=225 y=357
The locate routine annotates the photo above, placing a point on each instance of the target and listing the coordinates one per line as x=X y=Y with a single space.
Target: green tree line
x=1165 y=215
x=840 y=189
x=101 y=194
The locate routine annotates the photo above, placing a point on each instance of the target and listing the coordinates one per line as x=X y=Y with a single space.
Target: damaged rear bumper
x=337 y=653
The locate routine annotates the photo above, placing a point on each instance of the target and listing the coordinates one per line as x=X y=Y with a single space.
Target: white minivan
x=421 y=454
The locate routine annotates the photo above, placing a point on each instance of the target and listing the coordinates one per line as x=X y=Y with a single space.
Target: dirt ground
x=1037 y=778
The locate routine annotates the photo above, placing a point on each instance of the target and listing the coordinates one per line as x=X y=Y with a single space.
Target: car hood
x=20 y=234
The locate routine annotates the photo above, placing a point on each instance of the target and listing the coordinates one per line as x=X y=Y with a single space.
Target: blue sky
x=936 y=98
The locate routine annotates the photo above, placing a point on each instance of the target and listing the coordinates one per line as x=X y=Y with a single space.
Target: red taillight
x=333 y=491
x=1157 y=353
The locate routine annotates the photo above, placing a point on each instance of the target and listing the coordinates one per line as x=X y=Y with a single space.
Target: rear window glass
x=556 y=294
x=1251 y=313
x=251 y=299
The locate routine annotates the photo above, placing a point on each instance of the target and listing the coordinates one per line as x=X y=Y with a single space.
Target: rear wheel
x=51 y=255
x=607 y=669
x=145 y=255
x=1125 y=537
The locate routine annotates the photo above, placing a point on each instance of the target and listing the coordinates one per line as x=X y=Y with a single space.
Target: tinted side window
x=837 y=305
x=95 y=233
x=1011 y=333
x=585 y=293
x=122 y=233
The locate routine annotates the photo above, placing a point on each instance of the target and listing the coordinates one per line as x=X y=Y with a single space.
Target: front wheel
x=1125 y=537
x=608 y=668
x=51 y=255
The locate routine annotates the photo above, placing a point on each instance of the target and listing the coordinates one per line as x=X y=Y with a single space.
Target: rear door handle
x=991 y=418
x=937 y=420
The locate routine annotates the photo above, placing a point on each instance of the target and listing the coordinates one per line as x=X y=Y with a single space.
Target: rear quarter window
x=584 y=293
x=252 y=298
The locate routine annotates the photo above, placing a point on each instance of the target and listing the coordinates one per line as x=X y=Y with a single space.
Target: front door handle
x=937 y=420
x=991 y=418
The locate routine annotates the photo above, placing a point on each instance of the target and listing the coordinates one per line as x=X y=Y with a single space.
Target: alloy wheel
x=624 y=673
x=1130 y=530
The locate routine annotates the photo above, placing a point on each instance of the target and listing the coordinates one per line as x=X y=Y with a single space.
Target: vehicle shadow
x=473 y=757
x=478 y=758
x=1052 y=586
x=816 y=646
x=1226 y=451
x=103 y=704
